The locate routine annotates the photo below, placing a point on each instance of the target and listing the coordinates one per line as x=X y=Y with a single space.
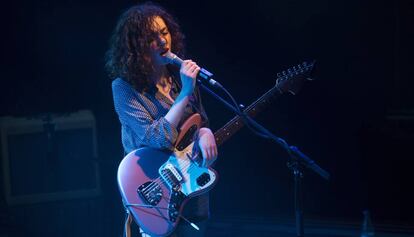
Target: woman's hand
x=188 y=74
x=207 y=145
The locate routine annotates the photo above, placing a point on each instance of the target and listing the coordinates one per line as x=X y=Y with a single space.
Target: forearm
x=188 y=73
x=176 y=111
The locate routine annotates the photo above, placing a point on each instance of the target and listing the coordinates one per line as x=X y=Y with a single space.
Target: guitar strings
x=189 y=166
x=155 y=181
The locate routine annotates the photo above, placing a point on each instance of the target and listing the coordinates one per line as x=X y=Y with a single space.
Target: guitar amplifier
x=49 y=157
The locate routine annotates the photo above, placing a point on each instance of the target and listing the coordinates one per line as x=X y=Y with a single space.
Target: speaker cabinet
x=49 y=157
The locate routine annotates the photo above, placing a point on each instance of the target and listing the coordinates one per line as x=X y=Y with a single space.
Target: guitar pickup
x=203 y=179
x=171 y=175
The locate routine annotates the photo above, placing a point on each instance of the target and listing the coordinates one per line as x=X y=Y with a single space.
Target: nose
x=161 y=40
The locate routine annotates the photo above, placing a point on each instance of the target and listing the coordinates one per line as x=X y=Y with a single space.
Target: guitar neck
x=237 y=122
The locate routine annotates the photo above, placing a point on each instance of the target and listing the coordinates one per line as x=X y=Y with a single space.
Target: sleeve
x=158 y=133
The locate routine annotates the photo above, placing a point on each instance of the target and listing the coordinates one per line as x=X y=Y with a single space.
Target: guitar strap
x=127 y=225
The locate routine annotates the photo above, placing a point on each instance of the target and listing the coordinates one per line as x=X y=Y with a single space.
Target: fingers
x=214 y=155
x=190 y=68
x=188 y=74
x=208 y=146
x=209 y=155
x=204 y=154
x=215 y=152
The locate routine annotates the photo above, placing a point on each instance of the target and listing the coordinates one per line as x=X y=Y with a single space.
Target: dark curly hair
x=128 y=53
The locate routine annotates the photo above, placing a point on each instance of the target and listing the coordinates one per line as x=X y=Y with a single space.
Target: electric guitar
x=155 y=185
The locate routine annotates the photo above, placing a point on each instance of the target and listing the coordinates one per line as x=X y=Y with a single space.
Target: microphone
x=204 y=74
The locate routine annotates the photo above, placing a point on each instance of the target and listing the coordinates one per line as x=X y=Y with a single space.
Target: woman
x=152 y=100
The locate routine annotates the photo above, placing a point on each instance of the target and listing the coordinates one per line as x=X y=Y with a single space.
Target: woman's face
x=162 y=42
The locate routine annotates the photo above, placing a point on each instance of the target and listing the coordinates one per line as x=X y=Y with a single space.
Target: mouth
x=164 y=52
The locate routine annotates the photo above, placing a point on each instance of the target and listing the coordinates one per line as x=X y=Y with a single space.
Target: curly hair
x=128 y=53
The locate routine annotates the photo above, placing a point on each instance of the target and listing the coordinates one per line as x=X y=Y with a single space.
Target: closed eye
x=164 y=31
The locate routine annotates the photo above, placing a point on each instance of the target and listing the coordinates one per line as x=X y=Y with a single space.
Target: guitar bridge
x=150 y=192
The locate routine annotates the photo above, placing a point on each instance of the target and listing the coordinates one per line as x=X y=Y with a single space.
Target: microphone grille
x=173 y=59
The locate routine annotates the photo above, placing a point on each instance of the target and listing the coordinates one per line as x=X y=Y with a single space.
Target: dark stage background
x=355 y=119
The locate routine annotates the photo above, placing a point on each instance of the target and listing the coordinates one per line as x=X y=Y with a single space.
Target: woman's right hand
x=188 y=74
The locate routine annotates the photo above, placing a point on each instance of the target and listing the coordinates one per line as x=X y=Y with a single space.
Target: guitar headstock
x=291 y=80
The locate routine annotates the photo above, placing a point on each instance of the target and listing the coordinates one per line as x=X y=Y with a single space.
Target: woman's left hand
x=207 y=145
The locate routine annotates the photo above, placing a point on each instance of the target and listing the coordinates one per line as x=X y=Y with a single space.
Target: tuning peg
x=278 y=74
x=284 y=73
x=289 y=71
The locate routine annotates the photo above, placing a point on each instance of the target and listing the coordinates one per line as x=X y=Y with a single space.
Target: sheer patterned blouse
x=142 y=116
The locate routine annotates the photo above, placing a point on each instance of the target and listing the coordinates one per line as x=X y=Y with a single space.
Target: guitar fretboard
x=237 y=123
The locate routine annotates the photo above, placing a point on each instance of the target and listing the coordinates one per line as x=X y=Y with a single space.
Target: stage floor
x=223 y=226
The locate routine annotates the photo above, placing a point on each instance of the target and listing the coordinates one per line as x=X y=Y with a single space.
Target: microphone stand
x=297 y=160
